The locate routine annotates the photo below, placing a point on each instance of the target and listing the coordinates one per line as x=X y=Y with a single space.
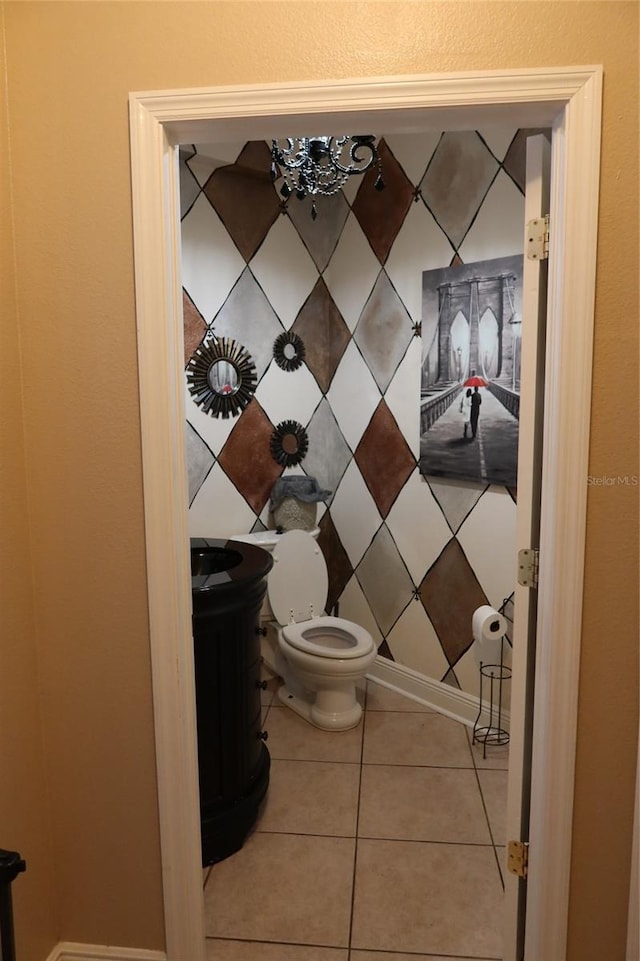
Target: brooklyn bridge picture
x=470 y=388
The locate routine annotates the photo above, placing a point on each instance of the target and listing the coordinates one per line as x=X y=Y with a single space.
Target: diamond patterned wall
x=410 y=559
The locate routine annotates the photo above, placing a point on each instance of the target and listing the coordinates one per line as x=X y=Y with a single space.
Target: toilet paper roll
x=488 y=627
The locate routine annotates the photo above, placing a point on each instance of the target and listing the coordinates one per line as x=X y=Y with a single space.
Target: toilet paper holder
x=494 y=676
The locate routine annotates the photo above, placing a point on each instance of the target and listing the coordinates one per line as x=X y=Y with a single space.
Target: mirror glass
x=289 y=351
x=289 y=443
x=223 y=377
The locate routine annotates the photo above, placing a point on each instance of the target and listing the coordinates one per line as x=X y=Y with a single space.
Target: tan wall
x=70 y=67
x=23 y=809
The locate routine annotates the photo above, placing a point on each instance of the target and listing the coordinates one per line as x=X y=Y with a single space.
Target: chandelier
x=322 y=165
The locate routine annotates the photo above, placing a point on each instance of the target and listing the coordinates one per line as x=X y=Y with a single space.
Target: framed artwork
x=470 y=381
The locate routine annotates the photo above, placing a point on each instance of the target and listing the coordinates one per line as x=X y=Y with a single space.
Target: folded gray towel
x=303 y=488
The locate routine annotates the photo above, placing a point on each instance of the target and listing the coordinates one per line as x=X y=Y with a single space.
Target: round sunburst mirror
x=221 y=377
x=288 y=351
x=289 y=443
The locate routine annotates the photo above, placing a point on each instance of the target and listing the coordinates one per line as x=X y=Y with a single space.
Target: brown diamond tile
x=324 y=332
x=381 y=213
x=450 y=593
x=515 y=161
x=457 y=180
x=246 y=458
x=194 y=326
x=384 y=458
x=338 y=563
x=244 y=198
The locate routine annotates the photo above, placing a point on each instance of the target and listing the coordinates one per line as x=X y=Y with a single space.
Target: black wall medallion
x=288 y=351
x=289 y=443
x=221 y=377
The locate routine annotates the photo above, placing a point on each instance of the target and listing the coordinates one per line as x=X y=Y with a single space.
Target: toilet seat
x=297 y=587
x=342 y=639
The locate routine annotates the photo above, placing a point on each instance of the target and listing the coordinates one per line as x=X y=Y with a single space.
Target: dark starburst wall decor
x=288 y=351
x=289 y=443
x=222 y=377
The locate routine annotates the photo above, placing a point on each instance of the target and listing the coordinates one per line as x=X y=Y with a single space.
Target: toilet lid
x=298 y=580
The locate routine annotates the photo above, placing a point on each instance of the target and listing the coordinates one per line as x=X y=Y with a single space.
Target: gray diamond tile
x=384 y=331
x=456 y=181
x=321 y=235
x=248 y=317
x=329 y=454
x=200 y=460
x=384 y=580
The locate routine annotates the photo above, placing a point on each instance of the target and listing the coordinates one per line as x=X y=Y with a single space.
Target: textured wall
x=23 y=808
x=70 y=67
x=408 y=558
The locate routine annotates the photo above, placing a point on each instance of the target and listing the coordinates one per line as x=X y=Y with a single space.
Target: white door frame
x=569 y=100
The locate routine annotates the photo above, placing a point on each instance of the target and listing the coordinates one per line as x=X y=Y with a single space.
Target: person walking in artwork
x=465 y=410
x=476 y=400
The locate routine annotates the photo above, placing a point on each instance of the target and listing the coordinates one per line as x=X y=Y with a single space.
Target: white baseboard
x=73 y=951
x=441 y=697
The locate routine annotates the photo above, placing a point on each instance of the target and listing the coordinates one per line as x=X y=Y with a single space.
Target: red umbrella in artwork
x=475 y=381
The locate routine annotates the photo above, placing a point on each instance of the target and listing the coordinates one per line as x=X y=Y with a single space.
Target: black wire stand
x=495 y=676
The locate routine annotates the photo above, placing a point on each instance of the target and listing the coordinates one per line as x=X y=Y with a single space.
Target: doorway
x=569 y=101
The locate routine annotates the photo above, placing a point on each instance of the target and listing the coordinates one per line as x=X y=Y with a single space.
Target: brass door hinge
x=528 y=566
x=518 y=858
x=537 y=238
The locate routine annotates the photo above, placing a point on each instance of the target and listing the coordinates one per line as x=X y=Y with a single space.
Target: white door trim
x=570 y=100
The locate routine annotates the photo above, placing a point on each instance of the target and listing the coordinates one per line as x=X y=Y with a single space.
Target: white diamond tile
x=414 y=643
x=352 y=272
x=353 y=395
x=413 y=151
x=211 y=263
x=213 y=430
x=488 y=538
x=355 y=607
x=402 y=395
x=284 y=270
x=498 y=139
x=498 y=230
x=355 y=514
x=288 y=396
x=418 y=527
x=206 y=521
x=420 y=245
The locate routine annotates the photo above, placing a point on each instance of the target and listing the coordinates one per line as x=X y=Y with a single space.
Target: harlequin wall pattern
x=408 y=558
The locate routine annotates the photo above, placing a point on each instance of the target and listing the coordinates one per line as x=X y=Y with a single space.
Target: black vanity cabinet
x=228 y=585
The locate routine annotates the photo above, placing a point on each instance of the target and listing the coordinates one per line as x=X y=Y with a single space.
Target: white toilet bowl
x=323 y=657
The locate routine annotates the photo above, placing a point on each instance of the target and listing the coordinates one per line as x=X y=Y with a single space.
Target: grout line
x=355 y=849
x=486 y=814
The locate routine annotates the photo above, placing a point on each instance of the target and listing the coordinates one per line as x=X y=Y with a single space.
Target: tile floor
x=383 y=843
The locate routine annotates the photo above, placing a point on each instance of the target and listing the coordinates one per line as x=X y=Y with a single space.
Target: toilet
x=323 y=657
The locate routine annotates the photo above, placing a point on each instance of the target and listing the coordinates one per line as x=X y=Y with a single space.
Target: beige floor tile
x=311 y=797
x=283 y=887
x=422 y=804
x=493 y=785
x=294 y=739
x=497 y=758
x=430 y=898
x=385 y=956
x=222 y=950
x=427 y=738
x=381 y=698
